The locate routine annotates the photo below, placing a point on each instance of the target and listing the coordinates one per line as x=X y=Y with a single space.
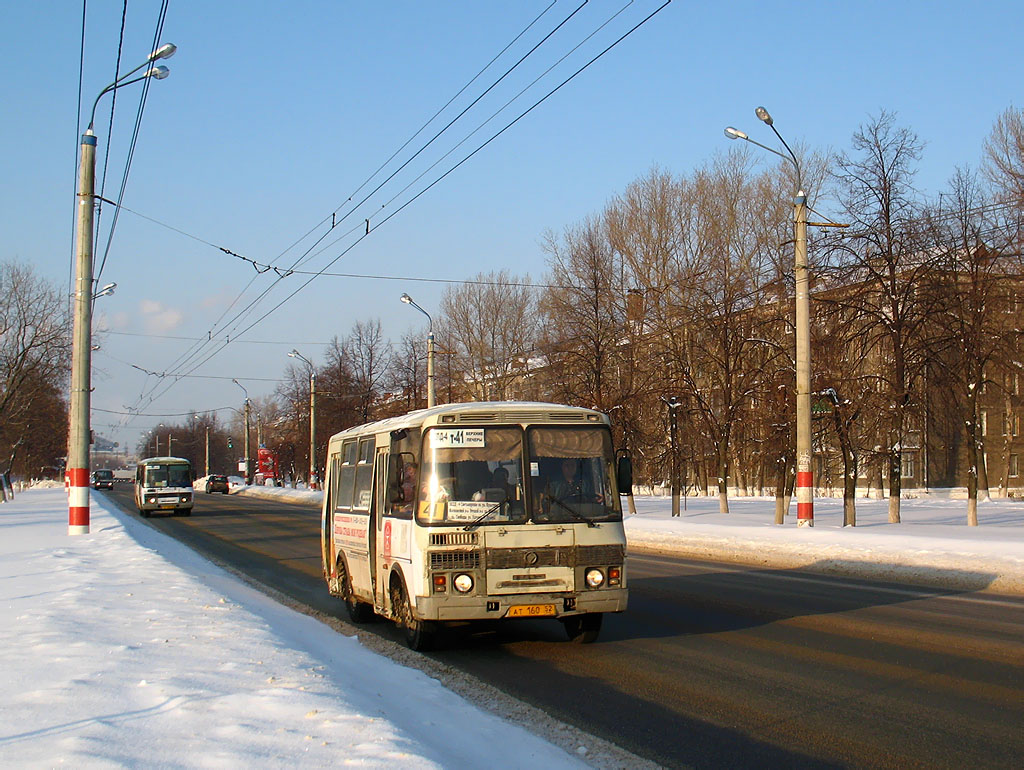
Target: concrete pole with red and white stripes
x=81 y=350
x=804 y=450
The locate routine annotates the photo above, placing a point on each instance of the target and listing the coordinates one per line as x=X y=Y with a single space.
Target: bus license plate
x=168 y=505
x=530 y=611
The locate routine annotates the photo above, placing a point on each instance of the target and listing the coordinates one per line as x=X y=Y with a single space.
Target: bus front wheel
x=583 y=629
x=419 y=634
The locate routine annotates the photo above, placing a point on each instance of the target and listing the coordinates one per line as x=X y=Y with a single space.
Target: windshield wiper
x=575 y=514
x=482 y=517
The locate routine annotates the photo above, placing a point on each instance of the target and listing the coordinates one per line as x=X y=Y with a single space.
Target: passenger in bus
x=409 y=473
x=498 y=489
x=499 y=480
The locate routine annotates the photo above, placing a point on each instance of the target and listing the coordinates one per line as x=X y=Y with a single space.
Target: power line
x=287 y=271
x=161 y=18
x=194 y=339
x=421 y=128
x=110 y=124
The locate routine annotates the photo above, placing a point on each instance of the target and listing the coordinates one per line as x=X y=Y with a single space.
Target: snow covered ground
x=124 y=648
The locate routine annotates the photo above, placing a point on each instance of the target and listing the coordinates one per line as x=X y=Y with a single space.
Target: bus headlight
x=150 y=500
x=463 y=583
x=595 y=578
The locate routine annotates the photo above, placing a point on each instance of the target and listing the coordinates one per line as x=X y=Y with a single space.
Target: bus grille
x=453 y=538
x=553 y=556
x=445 y=560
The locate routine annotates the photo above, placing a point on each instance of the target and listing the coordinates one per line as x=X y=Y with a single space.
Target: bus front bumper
x=456 y=607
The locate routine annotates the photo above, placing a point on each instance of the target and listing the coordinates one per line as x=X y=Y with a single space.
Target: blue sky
x=274 y=114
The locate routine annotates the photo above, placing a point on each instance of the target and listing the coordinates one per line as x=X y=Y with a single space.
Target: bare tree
x=887 y=269
x=34 y=353
x=584 y=318
x=1004 y=156
x=976 y=332
x=369 y=358
x=491 y=324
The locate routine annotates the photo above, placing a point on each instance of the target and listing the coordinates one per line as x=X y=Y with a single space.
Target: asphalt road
x=717 y=665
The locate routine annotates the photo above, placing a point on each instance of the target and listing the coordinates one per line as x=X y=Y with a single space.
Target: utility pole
x=431 y=400
x=313 y=480
x=81 y=353
x=673 y=405
x=79 y=429
x=248 y=465
x=804 y=450
x=245 y=415
x=801 y=274
x=207 y=450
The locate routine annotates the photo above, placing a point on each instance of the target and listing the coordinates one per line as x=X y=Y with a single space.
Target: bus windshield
x=475 y=476
x=168 y=475
x=471 y=474
x=572 y=471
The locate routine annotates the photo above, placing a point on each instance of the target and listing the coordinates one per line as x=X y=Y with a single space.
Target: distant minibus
x=163 y=484
x=477 y=511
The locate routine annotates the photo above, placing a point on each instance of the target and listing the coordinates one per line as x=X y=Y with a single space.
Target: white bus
x=477 y=511
x=163 y=484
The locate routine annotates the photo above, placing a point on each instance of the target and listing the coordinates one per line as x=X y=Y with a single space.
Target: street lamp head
x=293 y=354
x=406 y=299
x=734 y=133
x=166 y=51
x=106 y=291
x=763 y=115
x=157 y=73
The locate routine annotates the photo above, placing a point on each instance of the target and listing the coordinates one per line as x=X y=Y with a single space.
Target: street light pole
x=431 y=401
x=248 y=468
x=313 y=481
x=801 y=275
x=79 y=429
x=673 y=404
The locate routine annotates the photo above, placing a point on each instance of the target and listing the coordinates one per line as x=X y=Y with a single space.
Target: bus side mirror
x=624 y=474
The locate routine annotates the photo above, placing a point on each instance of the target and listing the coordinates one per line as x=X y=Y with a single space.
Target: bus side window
x=347 y=476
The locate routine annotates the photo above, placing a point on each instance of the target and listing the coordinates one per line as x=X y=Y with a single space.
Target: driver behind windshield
x=571 y=484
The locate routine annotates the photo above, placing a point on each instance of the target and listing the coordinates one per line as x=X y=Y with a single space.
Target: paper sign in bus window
x=451 y=438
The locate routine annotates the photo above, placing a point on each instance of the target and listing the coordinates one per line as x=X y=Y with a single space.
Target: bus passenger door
x=380 y=552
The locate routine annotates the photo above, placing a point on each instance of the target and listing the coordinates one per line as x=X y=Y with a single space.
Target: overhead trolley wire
x=420 y=130
x=281 y=273
x=158 y=33
x=110 y=129
x=152 y=393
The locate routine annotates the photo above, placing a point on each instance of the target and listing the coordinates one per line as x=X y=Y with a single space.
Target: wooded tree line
x=682 y=287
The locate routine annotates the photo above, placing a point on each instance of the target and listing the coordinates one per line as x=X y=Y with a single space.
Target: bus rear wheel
x=358 y=612
x=583 y=629
x=419 y=634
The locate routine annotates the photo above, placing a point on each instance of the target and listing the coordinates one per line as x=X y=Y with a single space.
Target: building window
x=1013 y=468
x=907 y=462
x=1011 y=424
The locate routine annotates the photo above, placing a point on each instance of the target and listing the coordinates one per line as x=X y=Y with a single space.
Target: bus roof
x=512 y=411
x=164 y=460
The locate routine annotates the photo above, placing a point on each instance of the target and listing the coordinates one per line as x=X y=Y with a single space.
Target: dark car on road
x=217 y=484
x=103 y=479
